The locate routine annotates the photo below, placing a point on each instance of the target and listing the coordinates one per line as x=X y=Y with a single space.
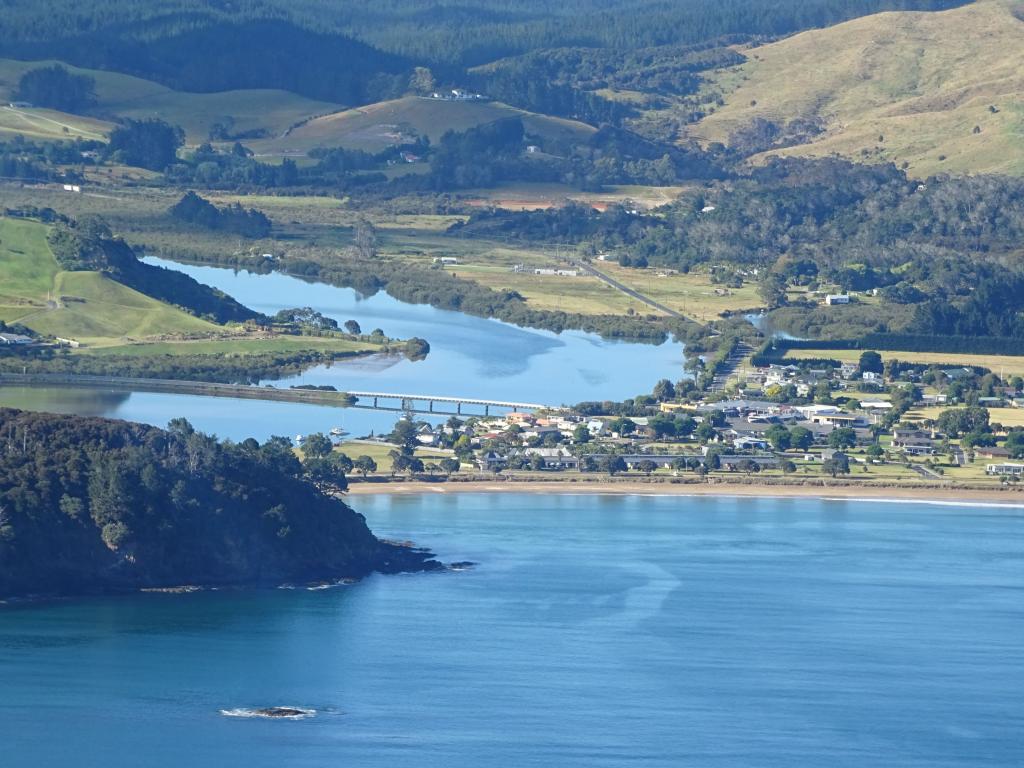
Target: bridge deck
x=450 y=399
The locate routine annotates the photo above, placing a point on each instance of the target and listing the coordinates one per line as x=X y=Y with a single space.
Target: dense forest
x=350 y=52
x=92 y=505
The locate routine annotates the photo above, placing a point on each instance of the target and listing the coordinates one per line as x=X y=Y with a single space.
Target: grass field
x=584 y=294
x=1008 y=417
x=692 y=294
x=1005 y=365
x=33 y=288
x=377 y=126
x=50 y=125
x=901 y=87
x=523 y=196
x=27 y=266
x=379 y=453
x=105 y=311
x=272 y=111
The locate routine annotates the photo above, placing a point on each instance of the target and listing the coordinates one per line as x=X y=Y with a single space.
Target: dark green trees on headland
x=93 y=505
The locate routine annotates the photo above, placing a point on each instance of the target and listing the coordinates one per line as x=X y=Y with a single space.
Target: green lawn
x=27 y=267
x=379 y=453
x=104 y=311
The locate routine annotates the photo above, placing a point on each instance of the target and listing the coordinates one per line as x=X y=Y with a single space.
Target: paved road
x=589 y=268
x=722 y=375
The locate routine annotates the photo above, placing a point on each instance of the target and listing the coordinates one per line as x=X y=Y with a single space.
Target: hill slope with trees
x=93 y=505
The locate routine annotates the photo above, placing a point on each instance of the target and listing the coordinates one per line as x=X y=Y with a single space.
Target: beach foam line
x=927 y=502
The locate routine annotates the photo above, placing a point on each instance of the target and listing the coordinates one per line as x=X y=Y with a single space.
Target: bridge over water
x=382 y=401
x=409 y=402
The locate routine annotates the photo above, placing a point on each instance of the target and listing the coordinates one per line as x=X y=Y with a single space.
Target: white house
x=837 y=298
x=1006 y=468
x=13 y=339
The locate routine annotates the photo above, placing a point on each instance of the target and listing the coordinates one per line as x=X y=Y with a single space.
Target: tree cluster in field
x=306 y=317
x=92 y=505
x=337 y=170
x=89 y=245
x=233 y=218
x=150 y=143
x=23 y=159
x=56 y=88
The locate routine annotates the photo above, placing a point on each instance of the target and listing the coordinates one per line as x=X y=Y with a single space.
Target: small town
x=860 y=423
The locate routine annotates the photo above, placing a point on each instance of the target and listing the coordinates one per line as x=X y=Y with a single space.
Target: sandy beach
x=923 y=494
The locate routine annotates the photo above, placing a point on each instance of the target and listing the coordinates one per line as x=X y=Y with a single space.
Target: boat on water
x=339 y=431
x=300 y=439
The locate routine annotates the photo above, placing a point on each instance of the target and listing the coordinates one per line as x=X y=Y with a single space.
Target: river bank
x=917 y=493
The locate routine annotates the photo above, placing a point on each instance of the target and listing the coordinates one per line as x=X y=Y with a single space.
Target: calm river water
x=596 y=631
x=469 y=357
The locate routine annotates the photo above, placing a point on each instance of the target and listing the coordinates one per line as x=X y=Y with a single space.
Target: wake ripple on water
x=273 y=713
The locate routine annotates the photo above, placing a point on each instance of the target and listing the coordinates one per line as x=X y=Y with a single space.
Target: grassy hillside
x=939 y=91
x=111 y=318
x=50 y=125
x=267 y=111
x=376 y=126
x=83 y=305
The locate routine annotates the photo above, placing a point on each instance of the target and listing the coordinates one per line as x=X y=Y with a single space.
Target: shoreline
x=919 y=494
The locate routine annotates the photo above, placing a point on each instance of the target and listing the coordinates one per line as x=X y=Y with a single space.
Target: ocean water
x=595 y=631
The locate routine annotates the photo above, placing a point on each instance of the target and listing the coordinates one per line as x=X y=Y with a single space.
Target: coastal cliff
x=91 y=505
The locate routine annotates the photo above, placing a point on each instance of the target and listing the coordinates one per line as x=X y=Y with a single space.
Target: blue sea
x=595 y=631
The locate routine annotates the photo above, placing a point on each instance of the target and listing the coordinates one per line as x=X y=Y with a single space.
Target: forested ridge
x=352 y=52
x=92 y=505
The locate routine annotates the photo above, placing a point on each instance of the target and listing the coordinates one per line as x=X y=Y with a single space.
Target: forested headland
x=93 y=505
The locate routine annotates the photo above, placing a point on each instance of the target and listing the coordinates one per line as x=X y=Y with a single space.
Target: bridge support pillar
x=375 y=402
x=458 y=408
x=487 y=410
x=431 y=406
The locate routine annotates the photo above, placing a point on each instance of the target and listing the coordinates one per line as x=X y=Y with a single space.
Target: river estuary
x=469 y=356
